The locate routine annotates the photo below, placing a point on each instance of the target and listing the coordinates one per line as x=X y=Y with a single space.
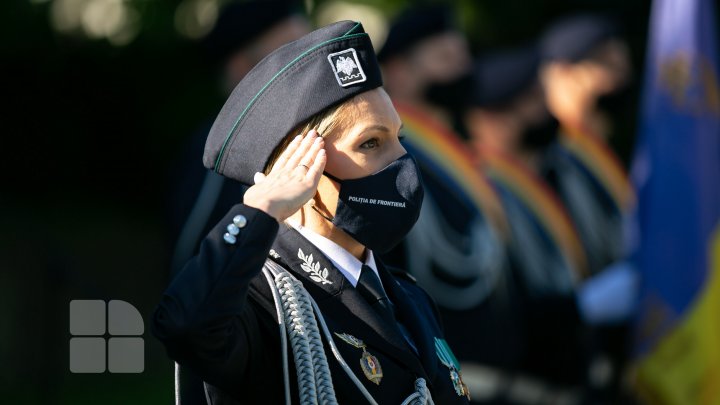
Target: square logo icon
x=87 y=355
x=346 y=66
x=126 y=355
x=87 y=317
x=91 y=351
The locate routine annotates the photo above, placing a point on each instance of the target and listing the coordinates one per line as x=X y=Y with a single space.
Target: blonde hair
x=325 y=123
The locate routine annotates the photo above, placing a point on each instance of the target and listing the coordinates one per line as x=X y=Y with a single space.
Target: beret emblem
x=346 y=66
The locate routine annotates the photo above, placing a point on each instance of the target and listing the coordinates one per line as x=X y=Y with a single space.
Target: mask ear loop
x=320 y=213
x=335 y=179
x=312 y=205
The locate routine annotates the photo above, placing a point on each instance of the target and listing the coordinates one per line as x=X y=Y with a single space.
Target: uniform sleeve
x=204 y=318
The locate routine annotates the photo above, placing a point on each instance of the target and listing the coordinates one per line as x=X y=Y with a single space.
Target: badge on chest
x=447 y=358
x=368 y=363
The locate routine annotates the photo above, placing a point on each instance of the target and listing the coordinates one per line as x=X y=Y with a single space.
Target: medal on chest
x=368 y=363
x=447 y=358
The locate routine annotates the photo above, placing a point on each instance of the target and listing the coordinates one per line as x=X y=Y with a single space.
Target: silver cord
x=283 y=336
x=300 y=313
x=177 y=383
x=314 y=379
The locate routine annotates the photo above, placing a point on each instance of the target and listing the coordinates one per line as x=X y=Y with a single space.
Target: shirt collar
x=348 y=264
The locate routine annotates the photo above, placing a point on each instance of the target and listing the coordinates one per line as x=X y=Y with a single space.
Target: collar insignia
x=313 y=269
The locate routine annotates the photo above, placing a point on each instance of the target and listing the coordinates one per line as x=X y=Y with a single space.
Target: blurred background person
x=511 y=130
x=457 y=249
x=587 y=77
x=426 y=69
x=575 y=317
x=426 y=59
x=245 y=32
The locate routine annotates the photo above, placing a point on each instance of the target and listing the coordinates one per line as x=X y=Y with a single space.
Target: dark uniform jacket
x=218 y=319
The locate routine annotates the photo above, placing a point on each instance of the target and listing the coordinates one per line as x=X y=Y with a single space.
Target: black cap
x=292 y=84
x=414 y=25
x=572 y=38
x=241 y=22
x=503 y=75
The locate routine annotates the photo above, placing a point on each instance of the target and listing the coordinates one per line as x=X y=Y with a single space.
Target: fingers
x=316 y=169
x=299 y=156
x=309 y=157
x=292 y=147
x=293 y=180
x=258 y=178
x=307 y=161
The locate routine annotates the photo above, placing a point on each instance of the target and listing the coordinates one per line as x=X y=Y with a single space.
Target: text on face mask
x=363 y=200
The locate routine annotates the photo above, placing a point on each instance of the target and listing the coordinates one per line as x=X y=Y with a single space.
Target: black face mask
x=452 y=95
x=380 y=209
x=540 y=135
x=617 y=102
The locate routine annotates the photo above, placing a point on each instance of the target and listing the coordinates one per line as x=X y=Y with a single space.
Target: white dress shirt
x=348 y=264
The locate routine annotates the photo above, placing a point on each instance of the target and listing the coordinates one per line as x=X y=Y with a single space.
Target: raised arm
x=204 y=318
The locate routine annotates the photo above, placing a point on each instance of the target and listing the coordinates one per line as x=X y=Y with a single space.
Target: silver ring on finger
x=305 y=166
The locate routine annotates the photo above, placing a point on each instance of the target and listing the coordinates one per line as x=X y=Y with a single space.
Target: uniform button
x=233 y=230
x=229 y=239
x=240 y=221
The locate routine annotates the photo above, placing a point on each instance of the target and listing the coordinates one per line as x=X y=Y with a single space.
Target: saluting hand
x=293 y=179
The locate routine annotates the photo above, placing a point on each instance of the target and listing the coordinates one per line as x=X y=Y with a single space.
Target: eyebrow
x=383 y=128
x=377 y=127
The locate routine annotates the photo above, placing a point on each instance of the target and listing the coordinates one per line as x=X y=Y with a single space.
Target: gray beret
x=292 y=84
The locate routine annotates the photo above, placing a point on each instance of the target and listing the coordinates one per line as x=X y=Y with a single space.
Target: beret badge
x=347 y=68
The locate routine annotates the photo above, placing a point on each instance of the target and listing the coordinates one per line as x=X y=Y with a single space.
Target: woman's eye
x=370 y=144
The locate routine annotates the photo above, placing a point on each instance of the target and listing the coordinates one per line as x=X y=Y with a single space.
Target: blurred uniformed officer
x=245 y=32
x=457 y=249
x=511 y=130
x=586 y=75
x=315 y=132
x=516 y=138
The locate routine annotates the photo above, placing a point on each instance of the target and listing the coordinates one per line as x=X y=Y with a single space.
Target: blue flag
x=676 y=242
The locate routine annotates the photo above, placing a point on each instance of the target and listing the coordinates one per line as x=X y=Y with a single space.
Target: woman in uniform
x=314 y=133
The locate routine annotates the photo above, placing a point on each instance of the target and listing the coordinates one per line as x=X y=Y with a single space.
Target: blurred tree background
x=98 y=97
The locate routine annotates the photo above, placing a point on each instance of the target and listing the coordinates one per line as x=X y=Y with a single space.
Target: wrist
x=262 y=205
